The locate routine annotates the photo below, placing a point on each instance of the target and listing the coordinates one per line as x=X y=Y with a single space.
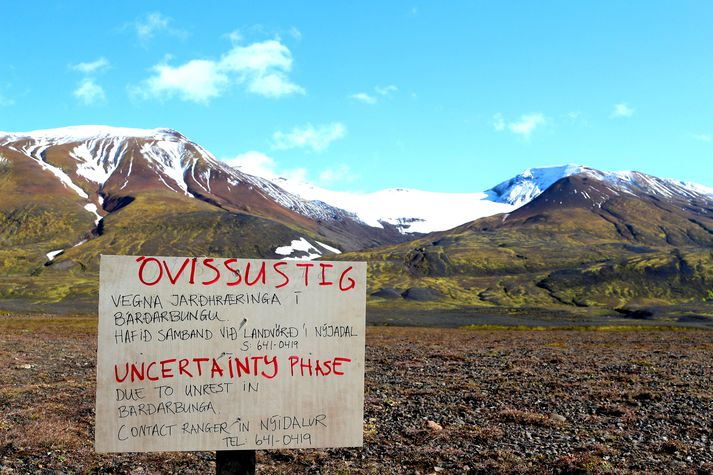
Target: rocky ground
x=437 y=400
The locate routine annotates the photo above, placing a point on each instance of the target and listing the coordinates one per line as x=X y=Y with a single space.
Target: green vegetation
x=158 y=223
x=580 y=328
x=631 y=254
x=646 y=257
x=58 y=326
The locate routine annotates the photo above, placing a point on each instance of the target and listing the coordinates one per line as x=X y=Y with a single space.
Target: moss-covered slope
x=601 y=250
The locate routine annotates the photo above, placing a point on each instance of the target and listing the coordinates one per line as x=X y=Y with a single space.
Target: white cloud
x=622 y=110
x=576 y=117
x=258 y=57
x=295 y=174
x=364 y=97
x=295 y=33
x=235 y=37
x=703 y=137
x=524 y=126
x=527 y=124
x=385 y=90
x=89 y=92
x=339 y=173
x=308 y=136
x=274 y=85
x=253 y=163
x=380 y=92
x=261 y=67
x=258 y=164
x=498 y=122
x=197 y=81
x=153 y=24
x=91 y=67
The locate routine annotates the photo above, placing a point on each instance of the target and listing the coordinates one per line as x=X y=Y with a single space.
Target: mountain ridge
x=100 y=163
x=568 y=236
x=390 y=207
x=419 y=211
x=586 y=244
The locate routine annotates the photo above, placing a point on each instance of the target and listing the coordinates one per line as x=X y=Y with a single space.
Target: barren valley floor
x=437 y=400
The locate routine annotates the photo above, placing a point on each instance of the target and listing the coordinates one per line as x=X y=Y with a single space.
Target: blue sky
x=442 y=96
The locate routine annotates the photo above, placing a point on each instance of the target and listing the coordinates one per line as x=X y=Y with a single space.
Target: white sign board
x=229 y=354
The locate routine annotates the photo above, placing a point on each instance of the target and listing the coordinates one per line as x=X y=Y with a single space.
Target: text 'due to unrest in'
x=229 y=354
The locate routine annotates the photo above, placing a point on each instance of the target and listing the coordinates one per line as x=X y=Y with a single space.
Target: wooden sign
x=229 y=354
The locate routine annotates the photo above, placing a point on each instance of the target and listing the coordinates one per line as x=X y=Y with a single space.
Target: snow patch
x=329 y=248
x=126 y=180
x=206 y=177
x=92 y=208
x=52 y=254
x=80 y=133
x=98 y=159
x=35 y=153
x=301 y=245
x=693 y=187
x=407 y=209
x=167 y=158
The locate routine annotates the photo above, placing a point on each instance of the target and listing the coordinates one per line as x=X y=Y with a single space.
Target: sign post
x=229 y=355
x=235 y=462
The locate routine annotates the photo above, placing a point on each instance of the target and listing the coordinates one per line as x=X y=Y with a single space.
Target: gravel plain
x=437 y=401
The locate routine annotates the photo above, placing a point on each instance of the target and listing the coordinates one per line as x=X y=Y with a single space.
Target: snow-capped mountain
x=526 y=186
x=179 y=164
x=613 y=240
x=69 y=195
x=409 y=210
x=105 y=168
x=417 y=211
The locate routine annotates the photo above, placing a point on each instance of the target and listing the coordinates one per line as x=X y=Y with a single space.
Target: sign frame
x=201 y=353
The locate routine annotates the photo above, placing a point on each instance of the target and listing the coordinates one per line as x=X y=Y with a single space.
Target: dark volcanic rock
x=428 y=261
x=422 y=294
x=636 y=313
x=387 y=293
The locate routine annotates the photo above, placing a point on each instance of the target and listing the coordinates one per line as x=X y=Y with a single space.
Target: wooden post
x=235 y=462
